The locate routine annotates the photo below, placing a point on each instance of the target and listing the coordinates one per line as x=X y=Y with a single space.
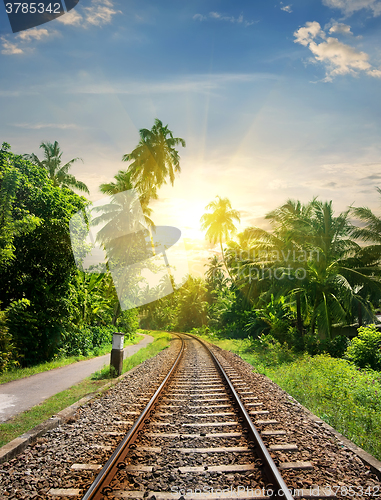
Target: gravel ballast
x=96 y=428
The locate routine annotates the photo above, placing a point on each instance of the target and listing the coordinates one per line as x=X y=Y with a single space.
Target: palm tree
x=371 y=233
x=337 y=278
x=214 y=275
x=219 y=223
x=123 y=183
x=273 y=252
x=154 y=159
x=58 y=173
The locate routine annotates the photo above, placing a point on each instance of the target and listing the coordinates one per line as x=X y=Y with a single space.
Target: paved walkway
x=20 y=395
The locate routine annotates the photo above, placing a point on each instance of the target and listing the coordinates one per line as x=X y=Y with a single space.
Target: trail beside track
x=20 y=395
x=193 y=443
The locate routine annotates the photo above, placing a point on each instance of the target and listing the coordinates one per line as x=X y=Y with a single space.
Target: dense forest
x=309 y=282
x=48 y=306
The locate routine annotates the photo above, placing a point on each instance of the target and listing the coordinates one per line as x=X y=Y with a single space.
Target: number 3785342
x=32 y=8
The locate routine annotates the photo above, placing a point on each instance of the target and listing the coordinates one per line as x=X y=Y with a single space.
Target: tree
x=218 y=224
x=11 y=224
x=122 y=183
x=52 y=163
x=36 y=279
x=154 y=159
x=335 y=276
x=371 y=233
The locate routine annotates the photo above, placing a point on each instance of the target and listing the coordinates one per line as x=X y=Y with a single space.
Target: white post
x=117 y=352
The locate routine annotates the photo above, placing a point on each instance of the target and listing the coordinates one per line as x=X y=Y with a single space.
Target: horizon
x=274 y=101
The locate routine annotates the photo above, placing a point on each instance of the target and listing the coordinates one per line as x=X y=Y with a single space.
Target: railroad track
x=196 y=439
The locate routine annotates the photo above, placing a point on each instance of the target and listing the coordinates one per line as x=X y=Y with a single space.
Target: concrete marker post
x=116 y=360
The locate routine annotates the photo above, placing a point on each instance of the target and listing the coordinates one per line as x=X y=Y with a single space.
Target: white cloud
x=191 y=83
x=341 y=28
x=337 y=57
x=305 y=35
x=348 y=7
x=217 y=15
x=35 y=34
x=10 y=48
x=72 y=18
x=38 y=126
x=286 y=8
x=100 y=12
x=23 y=39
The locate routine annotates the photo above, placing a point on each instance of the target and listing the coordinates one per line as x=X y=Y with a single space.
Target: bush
x=7 y=349
x=268 y=350
x=365 y=350
x=86 y=340
x=314 y=345
x=336 y=390
x=128 y=321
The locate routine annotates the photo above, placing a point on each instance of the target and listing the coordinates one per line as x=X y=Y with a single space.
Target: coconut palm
x=123 y=183
x=219 y=223
x=336 y=279
x=371 y=233
x=154 y=159
x=58 y=173
x=273 y=257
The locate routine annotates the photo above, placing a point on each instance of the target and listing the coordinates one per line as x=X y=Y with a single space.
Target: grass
x=161 y=341
x=19 y=373
x=36 y=415
x=347 y=398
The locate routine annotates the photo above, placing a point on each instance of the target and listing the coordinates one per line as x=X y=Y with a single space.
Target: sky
x=275 y=100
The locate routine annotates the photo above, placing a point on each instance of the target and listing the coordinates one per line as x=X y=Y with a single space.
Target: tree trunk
x=223 y=258
x=116 y=313
x=359 y=313
x=299 y=321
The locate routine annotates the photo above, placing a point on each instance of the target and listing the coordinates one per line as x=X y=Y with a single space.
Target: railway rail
x=199 y=411
x=193 y=442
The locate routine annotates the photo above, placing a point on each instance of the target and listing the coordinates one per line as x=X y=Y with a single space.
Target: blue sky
x=275 y=100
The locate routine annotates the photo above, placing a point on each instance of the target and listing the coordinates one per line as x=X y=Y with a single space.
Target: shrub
x=365 y=350
x=128 y=321
x=85 y=340
x=314 y=345
x=269 y=350
x=7 y=349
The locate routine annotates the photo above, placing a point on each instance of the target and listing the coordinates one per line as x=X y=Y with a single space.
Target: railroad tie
x=296 y=466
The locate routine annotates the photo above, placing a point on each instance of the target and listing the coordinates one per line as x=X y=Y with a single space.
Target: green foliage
x=13 y=222
x=313 y=344
x=128 y=321
x=92 y=298
x=309 y=263
x=85 y=340
x=365 y=350
x=154 y=160
x=33 y=340
x=269 y=349
x=219 y=223
x=182 y=310
x=343 y=396
x=162 y=340
x=36 y=272
x=58 y=173
x=192 y=305
x=7 y=349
